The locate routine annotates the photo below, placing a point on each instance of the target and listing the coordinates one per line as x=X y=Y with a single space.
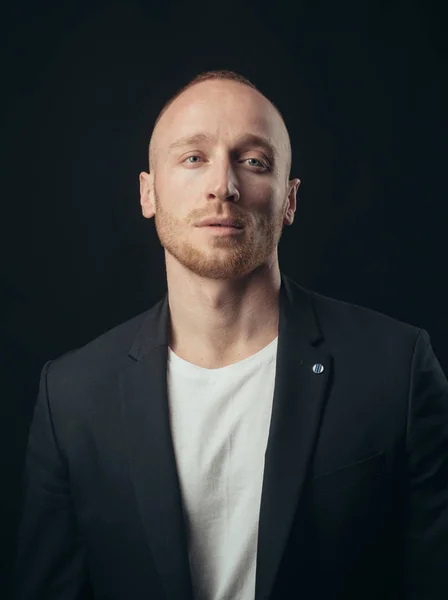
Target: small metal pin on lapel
x=318 y=368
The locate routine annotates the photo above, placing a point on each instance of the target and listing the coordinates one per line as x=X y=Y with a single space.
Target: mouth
x=221 y=222
x=223 y=229
x=225 y=226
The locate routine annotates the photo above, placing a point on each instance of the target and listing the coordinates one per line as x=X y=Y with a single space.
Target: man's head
x=219 y=147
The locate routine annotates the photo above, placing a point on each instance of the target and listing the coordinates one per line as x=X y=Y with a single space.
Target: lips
x=220 y=221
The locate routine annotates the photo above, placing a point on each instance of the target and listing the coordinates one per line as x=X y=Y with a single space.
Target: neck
x=222 y=319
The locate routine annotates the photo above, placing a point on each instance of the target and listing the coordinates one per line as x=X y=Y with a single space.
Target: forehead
x=225 y=109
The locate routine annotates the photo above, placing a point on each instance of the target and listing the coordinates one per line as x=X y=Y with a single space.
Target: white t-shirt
x=220 y=424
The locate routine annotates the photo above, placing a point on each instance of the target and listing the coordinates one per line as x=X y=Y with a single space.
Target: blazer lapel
x=152 y=459
x=297 y=407
x=298 y=404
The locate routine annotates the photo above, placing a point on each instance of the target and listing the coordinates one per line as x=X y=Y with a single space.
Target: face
x=235 y=168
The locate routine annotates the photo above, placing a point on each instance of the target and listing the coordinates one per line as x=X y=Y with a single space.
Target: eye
x=260 y=164
x=192 y=156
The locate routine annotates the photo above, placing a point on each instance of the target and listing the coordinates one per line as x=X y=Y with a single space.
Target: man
x=245 y=438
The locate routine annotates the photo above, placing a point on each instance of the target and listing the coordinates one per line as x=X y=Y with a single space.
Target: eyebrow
x=248 y=139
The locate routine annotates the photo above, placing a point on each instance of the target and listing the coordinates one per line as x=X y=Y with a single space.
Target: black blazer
x=355 y=490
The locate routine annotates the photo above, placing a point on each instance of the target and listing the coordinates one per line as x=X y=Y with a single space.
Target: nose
x=222 y=184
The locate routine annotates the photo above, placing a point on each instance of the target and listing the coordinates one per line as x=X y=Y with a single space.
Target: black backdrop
x=363 y=92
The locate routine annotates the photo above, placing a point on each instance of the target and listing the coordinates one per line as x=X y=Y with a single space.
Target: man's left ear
x=292 y=201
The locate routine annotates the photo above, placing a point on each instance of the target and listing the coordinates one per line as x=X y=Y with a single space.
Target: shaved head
x=231 y=78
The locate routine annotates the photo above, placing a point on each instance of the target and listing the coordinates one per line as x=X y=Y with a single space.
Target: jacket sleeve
x=49 y=558
x=426 y=535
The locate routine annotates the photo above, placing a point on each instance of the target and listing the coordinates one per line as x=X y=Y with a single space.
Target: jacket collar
x=296 y=309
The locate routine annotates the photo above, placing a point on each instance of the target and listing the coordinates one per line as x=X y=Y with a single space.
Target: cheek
x=262 y=197
x=257 y=194
x=181 y=183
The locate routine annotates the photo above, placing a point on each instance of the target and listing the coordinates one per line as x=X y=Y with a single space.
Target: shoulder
x=347 y=315
x=101 y=356
x=353 y=328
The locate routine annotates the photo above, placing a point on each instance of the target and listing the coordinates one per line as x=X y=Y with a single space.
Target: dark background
x=362 y=88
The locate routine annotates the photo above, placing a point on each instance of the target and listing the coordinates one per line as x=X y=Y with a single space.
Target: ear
x=293 y=186
x=147 y=195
